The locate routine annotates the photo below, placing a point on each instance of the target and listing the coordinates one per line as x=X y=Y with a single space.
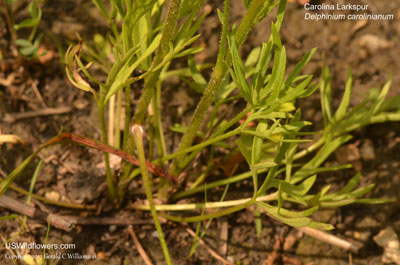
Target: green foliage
x=141 y=52
x=140 y=49
x=29 y=47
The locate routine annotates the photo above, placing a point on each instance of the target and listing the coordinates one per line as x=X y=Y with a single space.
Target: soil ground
x=371 y=49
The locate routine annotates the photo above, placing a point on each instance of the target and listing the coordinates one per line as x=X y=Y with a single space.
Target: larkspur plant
x=141 y=47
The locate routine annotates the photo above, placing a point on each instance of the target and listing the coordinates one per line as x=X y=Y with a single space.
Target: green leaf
x=196 y=75
x=100 y=6
x=344 y=104
x=264 y=165
x=375 y=108
x=188 y=29
x=27 y=51
x=182 y=129
x=238 y=75
x=27 y=23
x=118 y=63
x=118 y=5
x=293 y=94
x=281 y=14
x=266 y=9
x=289 y=161
x=128 y=68
x=189 y=51
x=23 y=43
x=34 y=12
x=257 y=144
x=278 y=72
x=326 y=99
x=243 y=143
x=275 y=36
x=262 y=67
x=11 y=216
x=300 y=189
x=361 y=191
x=353 y=182
x=295 y=219
x=329 y=147
x=299 y=66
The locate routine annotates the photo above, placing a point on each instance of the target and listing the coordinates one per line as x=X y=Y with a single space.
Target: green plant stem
x=127 y=118
x=309 y=149
x=137 y=132
x=215 y=184
x=209 y=216
x=217 y=77
x=110 y=184
x=211 y=140
x=161 y=147
x=207 y=205
x=151 y=80
x=200 y=146
x=111 y=122
x=118 y=115
x=32 y=186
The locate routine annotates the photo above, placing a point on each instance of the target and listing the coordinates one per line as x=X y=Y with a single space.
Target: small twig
x=212 y=252
x=108 y=221
x=61 y=222
x=152 y=168
x=139 y=247
x=223 y=249
x=5 y=242
x=37 y=93
x=13 y=117
x=330 y=239
x=9 y=18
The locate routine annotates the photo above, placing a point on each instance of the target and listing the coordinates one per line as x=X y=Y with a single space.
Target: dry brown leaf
x=10 y=138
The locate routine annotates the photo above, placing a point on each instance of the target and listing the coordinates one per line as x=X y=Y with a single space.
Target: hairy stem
x=217 y=77
x=151 y=81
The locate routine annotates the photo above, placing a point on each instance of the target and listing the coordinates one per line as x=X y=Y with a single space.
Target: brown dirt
x=67 y=167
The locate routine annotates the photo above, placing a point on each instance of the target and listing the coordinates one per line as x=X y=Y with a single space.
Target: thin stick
x=212 y=252
x=139 y=247
x=55 y=220
x=9 y=19
x=330 y=239
x=152 y=168
x=13 y=117
x=108 y=221
x=37 y=93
